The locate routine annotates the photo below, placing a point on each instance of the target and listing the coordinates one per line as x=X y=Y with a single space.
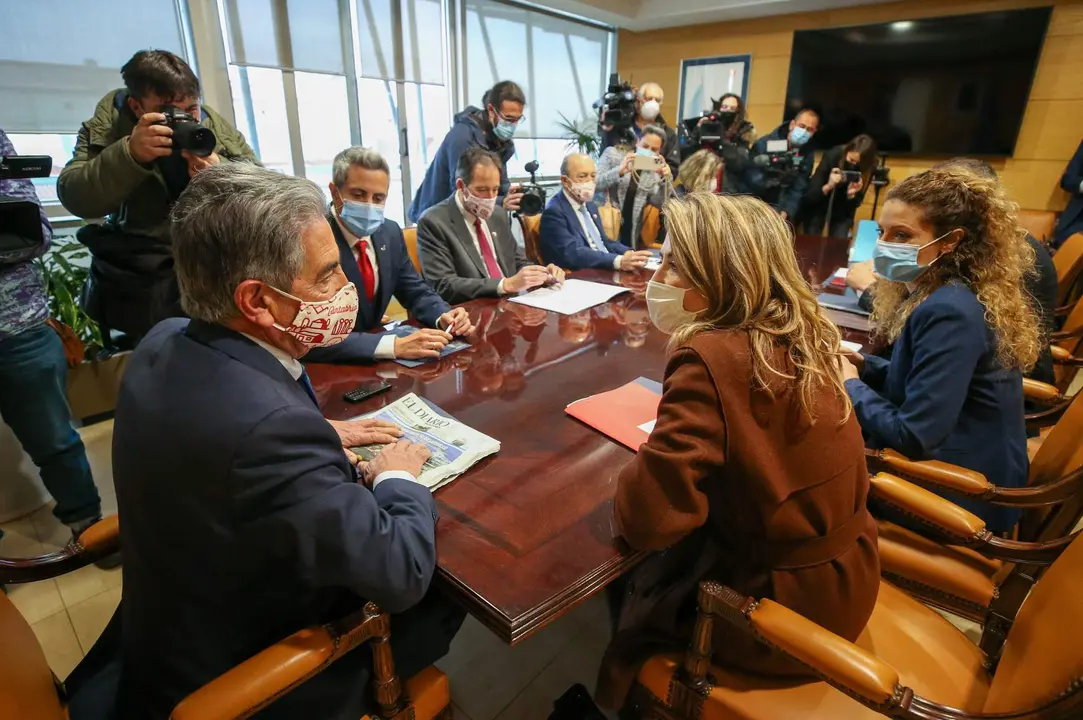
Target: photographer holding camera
x=780 y=177
x=648 y=112
x=838 y=187
x=132 y=160
x=491 y=128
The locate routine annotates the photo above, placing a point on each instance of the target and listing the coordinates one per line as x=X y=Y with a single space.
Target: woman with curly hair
x=953 y=263
x=754 y=475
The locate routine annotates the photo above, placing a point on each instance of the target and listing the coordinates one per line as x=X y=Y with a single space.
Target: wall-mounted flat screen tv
x=940 y=86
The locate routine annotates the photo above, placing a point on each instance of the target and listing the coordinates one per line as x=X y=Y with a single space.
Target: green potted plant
x=581 y=135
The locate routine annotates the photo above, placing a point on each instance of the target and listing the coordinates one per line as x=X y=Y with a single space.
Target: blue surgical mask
x=362 y=219
x=505 y=130
x=898 y=262
x=799 y=136
x=645 y=152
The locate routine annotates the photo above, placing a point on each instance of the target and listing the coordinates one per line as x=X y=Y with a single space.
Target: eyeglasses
x=513 y=121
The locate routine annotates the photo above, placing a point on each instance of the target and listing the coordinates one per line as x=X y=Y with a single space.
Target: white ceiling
x=642 y=15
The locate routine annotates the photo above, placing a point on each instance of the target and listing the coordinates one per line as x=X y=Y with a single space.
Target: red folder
x=620 y=413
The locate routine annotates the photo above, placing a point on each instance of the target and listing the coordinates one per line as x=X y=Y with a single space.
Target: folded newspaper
x=455 y=447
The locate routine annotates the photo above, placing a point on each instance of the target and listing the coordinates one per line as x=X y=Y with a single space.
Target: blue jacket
x=1071 y=220
x=782 y=199
x=467 y=131
x=243 y=522
x=943 y=396
x=562 y=242
x=398 y=277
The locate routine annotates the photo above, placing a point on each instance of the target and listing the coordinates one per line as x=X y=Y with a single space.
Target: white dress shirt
x=470 y=218
x=385 y=349
x=294 y=368
x=576 y=205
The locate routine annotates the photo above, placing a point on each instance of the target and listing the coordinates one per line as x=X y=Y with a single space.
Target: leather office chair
x=650 y=227
x=409 y=236
x=1067 y=348
x=1068 y=262
x=1039 y=223
x=531 y=227
x=29 y=690
x=908 y=663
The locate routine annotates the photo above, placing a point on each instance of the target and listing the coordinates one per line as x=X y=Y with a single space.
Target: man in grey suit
x=465 y=243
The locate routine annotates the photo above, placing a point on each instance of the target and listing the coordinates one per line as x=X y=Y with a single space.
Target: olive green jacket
x=103 y=179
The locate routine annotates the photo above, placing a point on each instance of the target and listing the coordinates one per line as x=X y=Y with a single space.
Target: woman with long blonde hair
x=953 y=264
x=701 y=171
x=754 y=475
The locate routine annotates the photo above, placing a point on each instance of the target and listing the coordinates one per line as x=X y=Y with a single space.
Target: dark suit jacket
x=562 y=242
x=243 y=523
x=398 y=277
x=1071 y=220
x=451 y=262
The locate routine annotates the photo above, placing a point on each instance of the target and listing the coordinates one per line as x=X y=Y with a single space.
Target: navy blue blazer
x=1071 y=220
x=398 y=278
x=243 y=523
x=562 y=242
x=944 y=396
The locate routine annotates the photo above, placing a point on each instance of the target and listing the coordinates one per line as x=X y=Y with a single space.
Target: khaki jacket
x=102 y=179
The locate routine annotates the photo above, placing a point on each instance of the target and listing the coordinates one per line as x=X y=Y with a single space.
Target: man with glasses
x=490 y=128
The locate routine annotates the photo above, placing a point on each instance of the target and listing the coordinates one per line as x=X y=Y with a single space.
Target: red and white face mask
x=478 y=206
x=320 y=324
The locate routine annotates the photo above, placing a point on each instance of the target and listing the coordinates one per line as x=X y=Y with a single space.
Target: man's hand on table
x=425 y=343
x=456 y=322
x=635 y=259
x=353 y=433
x=403 y=456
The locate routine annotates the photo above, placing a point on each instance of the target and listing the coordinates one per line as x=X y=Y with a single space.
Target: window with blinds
x=561 y=63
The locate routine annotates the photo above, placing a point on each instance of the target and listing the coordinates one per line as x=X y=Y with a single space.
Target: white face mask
x=650 y=110
x=320 y=324
x=665 y=304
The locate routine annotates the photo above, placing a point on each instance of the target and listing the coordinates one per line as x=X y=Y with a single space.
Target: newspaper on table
x=455 y=447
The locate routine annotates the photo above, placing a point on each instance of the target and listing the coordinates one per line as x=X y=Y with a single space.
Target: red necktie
x=365 y=266
x=487 y=252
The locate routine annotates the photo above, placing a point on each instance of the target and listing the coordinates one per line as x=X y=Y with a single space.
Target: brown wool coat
x=741 y=488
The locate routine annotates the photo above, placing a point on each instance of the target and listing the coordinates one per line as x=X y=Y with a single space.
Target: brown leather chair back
x=1062 y=450
x=1043 y=655
x=1073 y=325
x=1069 y=264
x=1039 y=223
x=409 y=236
x=27 y=690
x=531 y=225
x=650 y=227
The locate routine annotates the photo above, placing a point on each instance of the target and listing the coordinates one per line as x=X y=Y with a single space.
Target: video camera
x=533 y=201
x=188 y=134
x=617 y=110
x=780 y=164
x=709 y=129
x=20 y=220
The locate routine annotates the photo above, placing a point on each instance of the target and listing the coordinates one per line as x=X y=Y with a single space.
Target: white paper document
x=572 y=297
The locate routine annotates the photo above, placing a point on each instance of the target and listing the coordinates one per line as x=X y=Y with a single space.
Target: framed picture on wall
x=707 y=79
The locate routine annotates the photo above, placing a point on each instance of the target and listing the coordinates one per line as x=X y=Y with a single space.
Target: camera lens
x=194 y=138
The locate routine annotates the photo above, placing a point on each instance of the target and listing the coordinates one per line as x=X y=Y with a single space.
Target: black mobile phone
x=366 y=390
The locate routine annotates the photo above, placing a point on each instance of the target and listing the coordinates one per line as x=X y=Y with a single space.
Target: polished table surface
x=526 y=535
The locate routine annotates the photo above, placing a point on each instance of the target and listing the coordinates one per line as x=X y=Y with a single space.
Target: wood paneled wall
x=1052 y=126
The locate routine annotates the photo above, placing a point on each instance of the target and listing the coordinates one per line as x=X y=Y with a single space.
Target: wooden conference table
x=526 y=535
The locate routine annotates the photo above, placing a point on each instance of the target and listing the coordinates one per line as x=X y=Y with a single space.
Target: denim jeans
x=34 y=403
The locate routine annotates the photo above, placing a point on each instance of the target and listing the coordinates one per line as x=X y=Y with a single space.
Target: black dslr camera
x=851 y=173
x=188 y=134
x=617 y=111
x=20 y=220
x=533 y=201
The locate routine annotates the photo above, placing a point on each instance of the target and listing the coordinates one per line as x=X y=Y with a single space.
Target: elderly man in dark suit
x=245 y=519
x=465 y=243
x=571 y=234
x=375 y=259
x=1071 y=220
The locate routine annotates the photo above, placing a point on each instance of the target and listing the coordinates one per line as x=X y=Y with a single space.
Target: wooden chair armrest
x=935 y=472
x=1058 y=335
x=1048 y=416
x=99 y=540
x=1041 y=392
x=1061 y=356
x=942 y=515
x=913 y=561
x=263 y=678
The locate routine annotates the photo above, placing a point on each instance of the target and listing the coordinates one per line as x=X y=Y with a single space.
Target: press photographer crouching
x=838 y=187
x=782 y=164
x=131 y=162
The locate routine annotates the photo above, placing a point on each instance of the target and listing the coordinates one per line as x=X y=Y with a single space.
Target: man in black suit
x=375 y=259
x=245 y=519
x=1071 y=220
x=465 y=243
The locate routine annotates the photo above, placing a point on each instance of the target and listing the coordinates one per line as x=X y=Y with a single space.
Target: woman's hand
x=833 y=180
x=664 y=171
x=626 y=164
x=854 y=188
x=847 y=369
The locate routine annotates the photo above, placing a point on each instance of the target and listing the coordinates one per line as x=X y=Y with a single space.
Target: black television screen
x=940 y=86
